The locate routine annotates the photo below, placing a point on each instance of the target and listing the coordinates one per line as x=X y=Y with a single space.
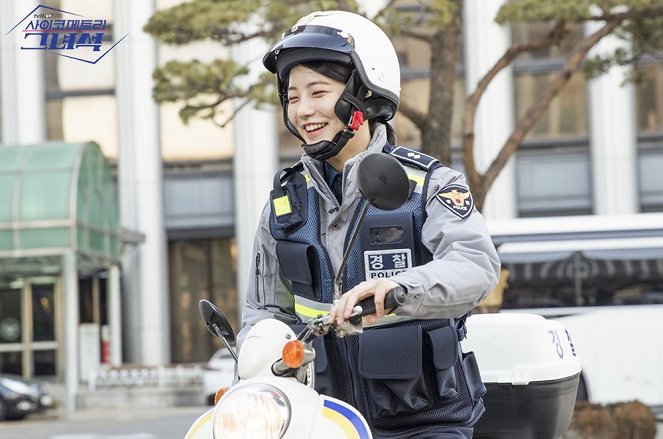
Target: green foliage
x=425 y=16
x=178 y=80
x=643 y=29
x=645 y=38
x=201 y=19
x=201 y=87
x=570 y=10
x=204 y=87
x=441 y=13
x=225 y=20
x=264 y=92
x=536 y=10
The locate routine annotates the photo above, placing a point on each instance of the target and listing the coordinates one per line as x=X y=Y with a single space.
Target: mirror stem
x=338 y=282
x=223 y=339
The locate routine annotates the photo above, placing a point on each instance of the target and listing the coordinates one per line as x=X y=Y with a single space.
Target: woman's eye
x=292 y=99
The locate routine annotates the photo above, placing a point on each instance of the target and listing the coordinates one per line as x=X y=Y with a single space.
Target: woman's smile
x=311 y=101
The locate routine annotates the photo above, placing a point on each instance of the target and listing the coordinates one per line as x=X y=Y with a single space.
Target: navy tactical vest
x=405 y=376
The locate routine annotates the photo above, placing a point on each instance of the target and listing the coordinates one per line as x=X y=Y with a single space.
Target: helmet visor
x=322 y=43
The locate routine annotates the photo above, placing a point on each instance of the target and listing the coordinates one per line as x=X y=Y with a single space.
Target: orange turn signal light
x=293 y=354
x=219 y=394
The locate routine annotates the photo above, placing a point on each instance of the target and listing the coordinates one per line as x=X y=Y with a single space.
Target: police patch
x=386 y=263
x=456 y=198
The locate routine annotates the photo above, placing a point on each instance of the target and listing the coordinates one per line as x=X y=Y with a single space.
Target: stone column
x=140 y=181
x=254 y=163
x=71 y=311
x=115 y=315
x=613 y=135
x=485 y=42
x=22 y=91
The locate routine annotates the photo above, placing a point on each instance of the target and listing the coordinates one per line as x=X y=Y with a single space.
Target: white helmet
x=345 y=38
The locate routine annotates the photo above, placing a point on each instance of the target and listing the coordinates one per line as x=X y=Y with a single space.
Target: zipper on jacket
x=258 y=277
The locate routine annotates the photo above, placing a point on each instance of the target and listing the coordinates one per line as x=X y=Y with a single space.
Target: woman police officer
x=406 y=373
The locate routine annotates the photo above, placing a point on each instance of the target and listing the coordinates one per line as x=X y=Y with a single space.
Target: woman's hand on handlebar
x=377 y=288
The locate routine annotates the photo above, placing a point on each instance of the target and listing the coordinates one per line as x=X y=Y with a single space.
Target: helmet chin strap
x=326 y=149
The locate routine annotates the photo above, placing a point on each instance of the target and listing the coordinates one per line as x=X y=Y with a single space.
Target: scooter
x=528 y=364
x=275 y=397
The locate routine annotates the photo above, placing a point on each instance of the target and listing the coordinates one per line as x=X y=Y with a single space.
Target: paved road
x=166 y=423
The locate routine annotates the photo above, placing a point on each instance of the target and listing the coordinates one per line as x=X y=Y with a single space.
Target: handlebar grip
x=395 y=297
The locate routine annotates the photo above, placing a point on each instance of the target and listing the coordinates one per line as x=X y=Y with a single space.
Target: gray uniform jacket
x=464 y=269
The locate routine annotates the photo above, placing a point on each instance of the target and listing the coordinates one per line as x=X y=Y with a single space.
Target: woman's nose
x=305 y=107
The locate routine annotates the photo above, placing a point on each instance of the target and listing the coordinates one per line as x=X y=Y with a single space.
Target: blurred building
x=188 y=196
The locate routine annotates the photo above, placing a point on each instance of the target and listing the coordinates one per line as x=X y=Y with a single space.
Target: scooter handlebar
x=321 y=325
x=394 y=297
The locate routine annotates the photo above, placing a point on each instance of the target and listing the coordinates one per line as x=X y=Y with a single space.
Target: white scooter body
x=312 y=414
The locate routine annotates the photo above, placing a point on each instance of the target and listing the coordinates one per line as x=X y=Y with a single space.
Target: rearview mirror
x=382 y=181
x=213 y=317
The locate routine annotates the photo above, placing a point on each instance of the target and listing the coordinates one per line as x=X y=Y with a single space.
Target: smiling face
x=311 y=100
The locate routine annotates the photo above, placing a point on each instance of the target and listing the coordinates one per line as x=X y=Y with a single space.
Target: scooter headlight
x=250 y=412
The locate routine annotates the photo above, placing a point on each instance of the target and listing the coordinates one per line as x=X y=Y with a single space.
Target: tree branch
x=621 y=16
x=237 y=38
x=417 y=117
x=382 y=11
x=472 y=101
x=534 y=112
x=426 y=38
x=232 y=115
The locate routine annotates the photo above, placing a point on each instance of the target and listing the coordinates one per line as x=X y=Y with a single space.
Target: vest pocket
x=475 y=384
x=299 y=264
x=390 y=360
x=445 y=353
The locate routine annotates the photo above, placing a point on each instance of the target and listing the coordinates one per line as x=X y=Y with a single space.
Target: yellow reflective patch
x=282 y=206
x=311 y=313
x=416 y=179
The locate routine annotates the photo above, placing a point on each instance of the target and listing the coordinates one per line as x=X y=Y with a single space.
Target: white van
x=602 y=277
x=621 y=351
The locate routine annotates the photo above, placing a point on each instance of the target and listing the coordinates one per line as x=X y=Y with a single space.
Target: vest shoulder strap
x=413 y=158
x=284 y=175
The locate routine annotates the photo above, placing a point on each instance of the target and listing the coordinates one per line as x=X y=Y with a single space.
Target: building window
x=650 y=163
x=28 y=343
x=558 y=144
x=200 y=269
x=650 y=101
x=529 y=32
x=80 y=97
x=649 y=113
x=565 y=118
x=554 y=181
x=84 y=119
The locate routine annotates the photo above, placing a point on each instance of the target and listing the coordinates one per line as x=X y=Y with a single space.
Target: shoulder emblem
x=457 y=198
x=413 y=157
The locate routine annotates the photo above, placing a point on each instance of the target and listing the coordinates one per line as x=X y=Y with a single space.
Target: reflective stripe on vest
x=307 y=309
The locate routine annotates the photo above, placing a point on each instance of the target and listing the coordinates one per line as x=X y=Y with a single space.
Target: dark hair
x=343 y=72
x=339 y=72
